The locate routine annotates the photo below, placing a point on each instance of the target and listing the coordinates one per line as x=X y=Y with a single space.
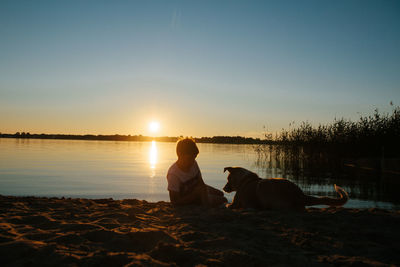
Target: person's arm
x=201 y=181
x=200 y=177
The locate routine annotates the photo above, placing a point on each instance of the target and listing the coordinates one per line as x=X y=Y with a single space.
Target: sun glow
x=154 y=126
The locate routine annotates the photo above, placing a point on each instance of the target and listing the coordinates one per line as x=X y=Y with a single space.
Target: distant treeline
x=117 y=137
x=230 y=140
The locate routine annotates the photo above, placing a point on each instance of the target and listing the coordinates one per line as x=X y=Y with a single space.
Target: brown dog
x=273 y=193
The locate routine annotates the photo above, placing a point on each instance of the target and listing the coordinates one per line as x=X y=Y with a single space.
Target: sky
x=199 y=68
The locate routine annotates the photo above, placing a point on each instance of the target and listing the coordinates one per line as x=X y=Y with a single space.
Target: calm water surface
x=101 y=169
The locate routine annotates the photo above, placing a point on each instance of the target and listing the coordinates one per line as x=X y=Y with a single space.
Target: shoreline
x=233 y=140
x=353 y=203
x=77 y=231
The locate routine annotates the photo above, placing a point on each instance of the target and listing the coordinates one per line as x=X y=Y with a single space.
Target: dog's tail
x=310 y=200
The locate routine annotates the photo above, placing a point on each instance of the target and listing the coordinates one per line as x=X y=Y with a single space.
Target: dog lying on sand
x=274 y=193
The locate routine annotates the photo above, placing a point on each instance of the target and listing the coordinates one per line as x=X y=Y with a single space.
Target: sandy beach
x=91 y=232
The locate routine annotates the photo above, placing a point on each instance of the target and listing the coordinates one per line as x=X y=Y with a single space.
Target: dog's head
x=236 y=177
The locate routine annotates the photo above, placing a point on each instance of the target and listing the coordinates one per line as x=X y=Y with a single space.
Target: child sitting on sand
x=185 y=184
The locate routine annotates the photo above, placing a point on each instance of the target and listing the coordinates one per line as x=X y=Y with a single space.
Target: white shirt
x=176 y=177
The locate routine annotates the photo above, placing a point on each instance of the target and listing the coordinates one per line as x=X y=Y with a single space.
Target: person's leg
x=215 y=197
x=205 y=200
x=215 y=201
x=211 y=197
x=213 y=191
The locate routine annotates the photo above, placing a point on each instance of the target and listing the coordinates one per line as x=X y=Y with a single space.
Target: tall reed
x=324 y=147
x=365 y=137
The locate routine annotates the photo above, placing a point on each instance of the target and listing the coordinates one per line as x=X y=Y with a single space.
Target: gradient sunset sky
x=200 y=68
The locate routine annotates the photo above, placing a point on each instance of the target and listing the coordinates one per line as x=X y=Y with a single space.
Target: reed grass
x=365 y=137
x=323 y=148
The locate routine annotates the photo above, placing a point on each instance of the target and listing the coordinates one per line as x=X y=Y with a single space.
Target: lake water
x=104 y=169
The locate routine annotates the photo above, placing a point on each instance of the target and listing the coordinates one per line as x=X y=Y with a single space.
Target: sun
x=154 y=126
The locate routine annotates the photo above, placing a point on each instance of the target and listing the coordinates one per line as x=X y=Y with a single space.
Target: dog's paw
x=230 y=206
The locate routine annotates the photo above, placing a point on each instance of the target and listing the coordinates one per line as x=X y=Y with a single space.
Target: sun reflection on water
x=153 y=156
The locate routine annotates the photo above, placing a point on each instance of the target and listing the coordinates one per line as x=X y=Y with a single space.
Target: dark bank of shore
x=52 y=231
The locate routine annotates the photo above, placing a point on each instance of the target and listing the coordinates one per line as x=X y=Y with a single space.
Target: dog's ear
x=229 y=169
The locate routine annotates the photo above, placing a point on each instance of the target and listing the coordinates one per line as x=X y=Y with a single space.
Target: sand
x=67 y=232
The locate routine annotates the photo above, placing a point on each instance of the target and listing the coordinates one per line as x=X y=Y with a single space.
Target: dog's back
x=278 y=193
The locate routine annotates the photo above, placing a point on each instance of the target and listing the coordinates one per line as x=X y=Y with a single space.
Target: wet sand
x=91 y=232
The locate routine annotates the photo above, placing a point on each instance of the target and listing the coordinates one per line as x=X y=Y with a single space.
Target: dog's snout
x=227 y=188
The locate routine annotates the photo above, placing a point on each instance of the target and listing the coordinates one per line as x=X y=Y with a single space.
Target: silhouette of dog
x=274 y=193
